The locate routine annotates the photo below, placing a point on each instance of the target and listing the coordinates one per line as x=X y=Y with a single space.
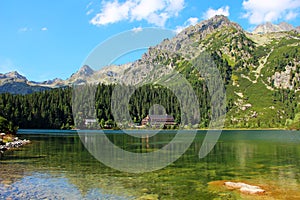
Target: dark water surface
x=57 y=166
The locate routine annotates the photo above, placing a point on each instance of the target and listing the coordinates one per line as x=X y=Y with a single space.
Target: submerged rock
x=245 y=188
x=149 y=197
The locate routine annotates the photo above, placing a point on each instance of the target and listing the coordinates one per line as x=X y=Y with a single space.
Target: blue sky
x=45 y=39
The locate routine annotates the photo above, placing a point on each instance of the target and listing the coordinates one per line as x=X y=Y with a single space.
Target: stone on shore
x=13 y=145
x=245 y=188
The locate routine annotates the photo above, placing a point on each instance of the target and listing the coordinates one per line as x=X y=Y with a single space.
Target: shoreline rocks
x=16 y=143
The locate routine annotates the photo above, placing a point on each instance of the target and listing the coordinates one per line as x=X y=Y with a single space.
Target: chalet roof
x=160 y=116
x=165 y=119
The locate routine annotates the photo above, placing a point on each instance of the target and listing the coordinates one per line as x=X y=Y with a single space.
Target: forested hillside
x=42 y=110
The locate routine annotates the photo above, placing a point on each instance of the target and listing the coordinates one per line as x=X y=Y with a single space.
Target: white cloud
x=89 y=11
x=193 y=20
x=44 y=29
x=146 y=7
x=24 y=29
x=89 y=5
x=221 y=11
x=112 y=12
x=137 y=29
x=175 y=6
x=155 y=12
x=189 y=22
x=291 y=15
x=258 y=11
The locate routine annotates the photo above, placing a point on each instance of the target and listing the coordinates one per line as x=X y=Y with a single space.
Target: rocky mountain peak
x=15 y=75
x=268 y=27
x=186 y=40
x=12 y=76
x=85 y=70
x=207 y=26
x=81 y=75
x=286 y=26
x=53 y=81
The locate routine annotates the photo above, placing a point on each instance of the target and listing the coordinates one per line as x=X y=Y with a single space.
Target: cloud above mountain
x=191 y=21
x=258 y=11
x=155 y=12
x=212 y=12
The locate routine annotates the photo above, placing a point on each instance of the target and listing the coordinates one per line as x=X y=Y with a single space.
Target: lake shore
x=22 y=131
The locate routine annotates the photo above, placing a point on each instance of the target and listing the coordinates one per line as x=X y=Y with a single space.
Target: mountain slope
x=21 y=88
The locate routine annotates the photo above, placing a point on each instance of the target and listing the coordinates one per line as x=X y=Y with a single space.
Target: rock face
x=270 y=28
x=81 y=75
x=245 y=188
x=282 y=79
x=84 y=71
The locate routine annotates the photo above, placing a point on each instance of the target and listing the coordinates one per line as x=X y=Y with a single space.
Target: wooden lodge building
x=158 y=120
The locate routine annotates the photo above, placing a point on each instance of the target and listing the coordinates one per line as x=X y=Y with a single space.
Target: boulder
x=245 y=188
x=252 y=190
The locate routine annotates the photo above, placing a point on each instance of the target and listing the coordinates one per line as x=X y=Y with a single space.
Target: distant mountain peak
x=206 y=27
x=15 y=74
x=268 y=27
x=85 y=70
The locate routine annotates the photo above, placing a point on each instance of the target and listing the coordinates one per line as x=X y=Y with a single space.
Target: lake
x=56 y=165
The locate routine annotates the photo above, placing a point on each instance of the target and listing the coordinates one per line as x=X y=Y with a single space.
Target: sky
x=45 y=39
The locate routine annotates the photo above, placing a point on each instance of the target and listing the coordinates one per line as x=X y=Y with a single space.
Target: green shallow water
x=57 y=166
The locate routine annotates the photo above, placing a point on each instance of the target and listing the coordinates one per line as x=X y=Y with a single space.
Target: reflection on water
x=43 y=186
x=58 y=166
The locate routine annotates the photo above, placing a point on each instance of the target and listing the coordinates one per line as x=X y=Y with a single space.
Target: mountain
x=271 y=28
x=12 y=77
x=260 y=70
x=84 y=72
x=55 y=81
x=15 y=83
